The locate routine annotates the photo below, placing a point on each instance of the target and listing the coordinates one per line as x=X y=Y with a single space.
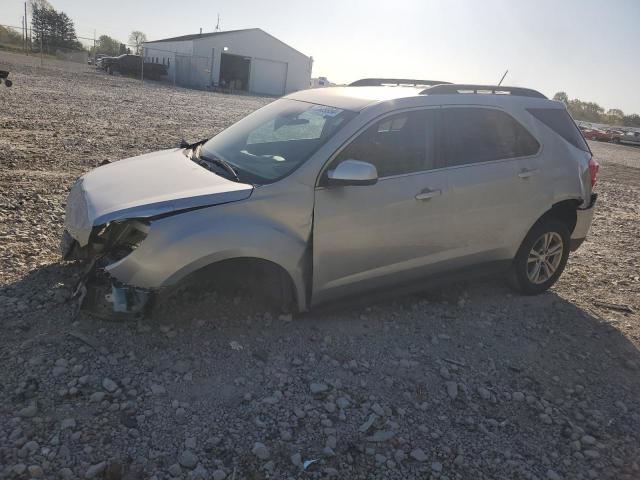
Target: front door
x=373 y=236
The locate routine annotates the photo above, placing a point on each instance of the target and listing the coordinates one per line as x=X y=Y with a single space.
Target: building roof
x=198 y=36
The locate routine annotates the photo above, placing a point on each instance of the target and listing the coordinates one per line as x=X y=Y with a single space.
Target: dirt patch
x=470 y=381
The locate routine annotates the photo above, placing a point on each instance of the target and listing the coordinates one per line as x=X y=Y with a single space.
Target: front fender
x=179 y=245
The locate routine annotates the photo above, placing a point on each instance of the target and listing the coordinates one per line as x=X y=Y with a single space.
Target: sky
x=587 y=48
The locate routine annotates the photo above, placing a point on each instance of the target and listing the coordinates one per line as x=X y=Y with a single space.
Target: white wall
x=253 y=43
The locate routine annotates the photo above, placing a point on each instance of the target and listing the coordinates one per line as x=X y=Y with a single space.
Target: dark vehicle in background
x=97 y=59
x=132 y=65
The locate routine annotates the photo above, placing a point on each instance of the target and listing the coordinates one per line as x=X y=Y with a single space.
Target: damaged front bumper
x=128 y=299
x=103 y=295
x=584 y=217
x=96 y=290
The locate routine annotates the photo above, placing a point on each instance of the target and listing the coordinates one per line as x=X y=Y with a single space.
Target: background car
x=602 y=135
x=631 y=138
x=132 y=65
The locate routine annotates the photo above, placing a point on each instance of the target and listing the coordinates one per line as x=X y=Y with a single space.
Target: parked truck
x=133 y=65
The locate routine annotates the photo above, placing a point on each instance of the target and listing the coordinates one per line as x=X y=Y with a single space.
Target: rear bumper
x=584 y=216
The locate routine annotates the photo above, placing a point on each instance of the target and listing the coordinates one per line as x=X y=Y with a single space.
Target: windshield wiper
x=226 y=166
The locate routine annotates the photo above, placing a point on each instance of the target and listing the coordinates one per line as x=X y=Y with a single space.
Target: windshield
x=272 y=142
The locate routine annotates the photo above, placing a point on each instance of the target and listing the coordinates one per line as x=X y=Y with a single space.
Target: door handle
x=427 y=194
x=526 y=173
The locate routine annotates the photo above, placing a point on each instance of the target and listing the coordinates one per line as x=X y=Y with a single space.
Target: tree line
x=53 y=30
x=592 y=112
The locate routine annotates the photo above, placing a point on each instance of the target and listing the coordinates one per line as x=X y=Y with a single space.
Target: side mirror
x=353 y=172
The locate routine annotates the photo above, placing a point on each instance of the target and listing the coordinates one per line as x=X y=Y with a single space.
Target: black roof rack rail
x=408 y=82
x=484 y=89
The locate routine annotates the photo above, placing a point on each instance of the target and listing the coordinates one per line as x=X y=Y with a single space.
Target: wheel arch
x=564 y=211
x=255 y=265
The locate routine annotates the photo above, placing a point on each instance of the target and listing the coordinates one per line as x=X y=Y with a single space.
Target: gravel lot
x=470 y=381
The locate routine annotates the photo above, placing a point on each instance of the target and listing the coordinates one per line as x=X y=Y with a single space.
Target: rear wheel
x=542 y=257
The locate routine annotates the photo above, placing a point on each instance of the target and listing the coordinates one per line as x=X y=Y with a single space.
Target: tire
x=616 y=140
x=528 y=274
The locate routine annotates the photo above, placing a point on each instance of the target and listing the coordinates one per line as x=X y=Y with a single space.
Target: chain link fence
x=13 y=40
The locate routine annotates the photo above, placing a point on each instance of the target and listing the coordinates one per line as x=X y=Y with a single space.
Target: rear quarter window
x=559 y=120
x=476 y=135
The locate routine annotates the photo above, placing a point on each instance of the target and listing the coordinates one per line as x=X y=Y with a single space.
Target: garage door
x=268 y=77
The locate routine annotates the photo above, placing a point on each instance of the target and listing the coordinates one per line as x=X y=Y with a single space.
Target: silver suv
x=336 y=191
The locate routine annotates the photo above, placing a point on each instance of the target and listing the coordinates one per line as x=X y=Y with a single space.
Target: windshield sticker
x=325 y=111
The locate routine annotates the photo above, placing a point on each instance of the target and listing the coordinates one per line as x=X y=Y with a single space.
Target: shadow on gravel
x=475 y=318
x=40 y=289
x=225 y=357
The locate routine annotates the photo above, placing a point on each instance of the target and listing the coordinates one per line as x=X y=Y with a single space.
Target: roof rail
x=398 y=82
x=483 y=89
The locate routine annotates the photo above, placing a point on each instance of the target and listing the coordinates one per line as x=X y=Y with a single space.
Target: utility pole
x=41 y=59
x=142 y=65
x=26 y=37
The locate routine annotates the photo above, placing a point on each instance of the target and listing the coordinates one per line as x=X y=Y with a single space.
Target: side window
x=395 y=145
x=477 y=135
x=559 y=120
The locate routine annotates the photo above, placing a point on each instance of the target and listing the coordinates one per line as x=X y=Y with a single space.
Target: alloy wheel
x=545 y=257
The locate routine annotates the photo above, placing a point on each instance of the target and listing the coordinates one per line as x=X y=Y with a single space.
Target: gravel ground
x=470 y=381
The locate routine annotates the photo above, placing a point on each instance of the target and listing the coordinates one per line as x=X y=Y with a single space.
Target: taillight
x=594 y=167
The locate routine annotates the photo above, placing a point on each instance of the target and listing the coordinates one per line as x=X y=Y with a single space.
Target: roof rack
x=451 y=88
x=398 y=82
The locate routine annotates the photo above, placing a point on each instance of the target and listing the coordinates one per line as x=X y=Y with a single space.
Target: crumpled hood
x=145 y=186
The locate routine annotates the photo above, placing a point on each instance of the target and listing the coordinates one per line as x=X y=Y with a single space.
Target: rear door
x=490 y=157
x=372 y=236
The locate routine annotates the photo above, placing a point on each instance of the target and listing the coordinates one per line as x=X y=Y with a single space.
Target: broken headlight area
x=115 y=240
x=96 y=291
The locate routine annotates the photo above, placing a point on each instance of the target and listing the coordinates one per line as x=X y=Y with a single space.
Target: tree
x=107 y=45
x=632 y=120
x=53 y=29
x=615 y=112
x=10 y=37
x=561 y=97
x=137 y=38
x=587 y=111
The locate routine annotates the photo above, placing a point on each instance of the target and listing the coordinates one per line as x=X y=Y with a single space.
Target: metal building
x=248 y=60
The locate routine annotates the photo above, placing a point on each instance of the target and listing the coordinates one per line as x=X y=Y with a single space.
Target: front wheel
x=541 y=258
